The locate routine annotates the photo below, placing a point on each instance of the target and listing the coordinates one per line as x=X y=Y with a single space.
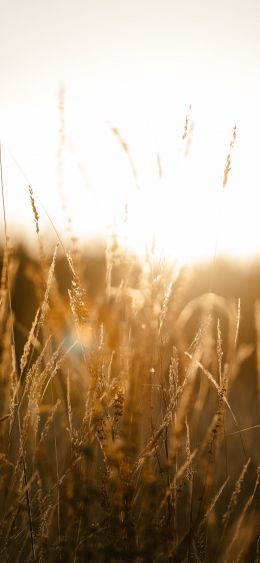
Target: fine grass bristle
x=227 y=168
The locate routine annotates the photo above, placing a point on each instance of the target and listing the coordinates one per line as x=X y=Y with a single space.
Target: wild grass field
x=129 y=412
x=126 y=411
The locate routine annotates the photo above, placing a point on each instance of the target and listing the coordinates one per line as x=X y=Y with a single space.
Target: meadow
x=129 y=413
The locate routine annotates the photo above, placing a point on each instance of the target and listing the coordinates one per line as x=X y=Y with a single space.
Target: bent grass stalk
x=28 y=503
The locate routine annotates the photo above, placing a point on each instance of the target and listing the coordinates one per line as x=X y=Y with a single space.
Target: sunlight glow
x=176 y=203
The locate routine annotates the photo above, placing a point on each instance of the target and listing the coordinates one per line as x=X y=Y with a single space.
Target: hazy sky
x=138 y=64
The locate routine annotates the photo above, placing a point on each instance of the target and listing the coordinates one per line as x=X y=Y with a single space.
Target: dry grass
x=119 y=440
x=121 y=437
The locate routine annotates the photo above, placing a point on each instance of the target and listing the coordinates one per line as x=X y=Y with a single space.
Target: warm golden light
x=164 y=188
x=129 y=280
x=161 y=190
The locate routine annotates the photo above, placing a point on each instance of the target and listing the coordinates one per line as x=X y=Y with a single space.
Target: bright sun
x=135 y=66
x=157 y=184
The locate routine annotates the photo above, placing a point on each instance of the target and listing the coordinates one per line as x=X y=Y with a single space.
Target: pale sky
x=138 y=64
